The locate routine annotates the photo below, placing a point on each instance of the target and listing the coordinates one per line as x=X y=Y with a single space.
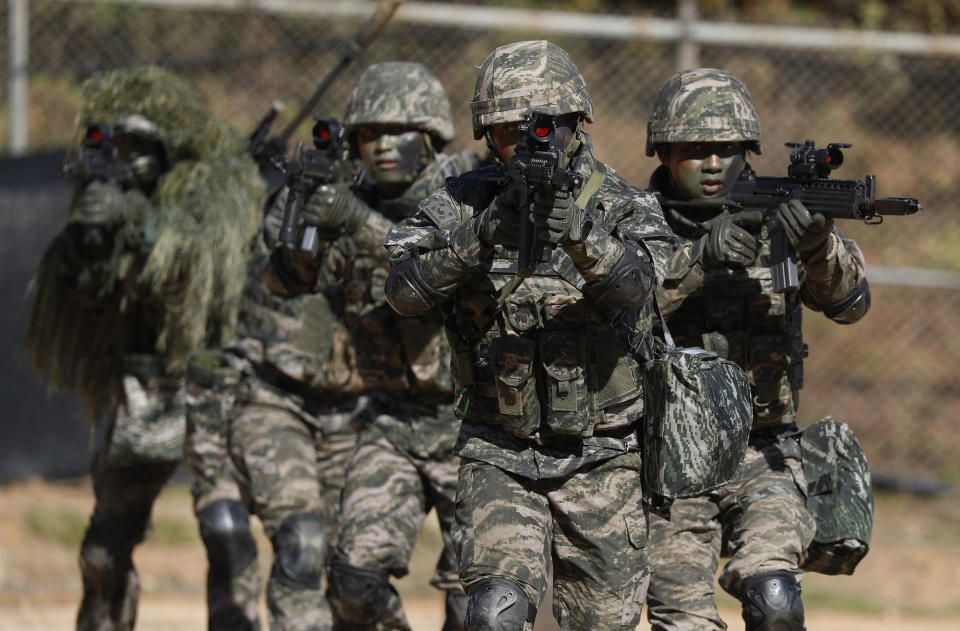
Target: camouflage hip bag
x=697 y=419
x=839 y=496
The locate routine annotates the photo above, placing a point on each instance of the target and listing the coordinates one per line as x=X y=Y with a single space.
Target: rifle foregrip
x=291 y=217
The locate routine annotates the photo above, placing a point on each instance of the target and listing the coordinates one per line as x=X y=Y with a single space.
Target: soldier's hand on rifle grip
x=334 y=210
x=499 y=223
x=730 y=243
x=557 y=217
x=806 y=232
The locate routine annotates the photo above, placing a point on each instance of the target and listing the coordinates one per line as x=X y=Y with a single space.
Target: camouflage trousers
x=390 y=488
x=759 y=519
x=591 y=524
x=129 y=470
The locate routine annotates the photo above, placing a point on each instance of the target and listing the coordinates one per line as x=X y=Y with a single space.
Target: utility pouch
x=513 y=366
x=839 y=496
x=563 y=354
x=697 y=419
x=150 y=423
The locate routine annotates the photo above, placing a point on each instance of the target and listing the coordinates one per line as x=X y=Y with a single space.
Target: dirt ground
x=909 y=581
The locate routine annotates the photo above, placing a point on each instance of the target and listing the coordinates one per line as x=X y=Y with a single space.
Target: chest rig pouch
x=839 y=496
x=697 y=418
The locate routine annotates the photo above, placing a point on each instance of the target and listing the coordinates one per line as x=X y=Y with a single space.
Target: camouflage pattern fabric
x=736 y=313
x=124 y=496
x=588 y=525
x=533 y=74
x=404 y=94
x=403 y=467
x=274 y=454
x=697 y=422
x=546 y=311
x=840 y=497
x=703 y=105
x=760 y=519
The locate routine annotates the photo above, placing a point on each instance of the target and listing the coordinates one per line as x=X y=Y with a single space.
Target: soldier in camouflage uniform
x=144 y=273
x=718 y=294
x=547 y=389
x=397 y=120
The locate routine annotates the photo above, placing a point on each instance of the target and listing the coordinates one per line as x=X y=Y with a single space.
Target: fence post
x=688 y=50
x=18 y=38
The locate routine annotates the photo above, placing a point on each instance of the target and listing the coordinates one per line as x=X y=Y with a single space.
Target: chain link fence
x=894 y=376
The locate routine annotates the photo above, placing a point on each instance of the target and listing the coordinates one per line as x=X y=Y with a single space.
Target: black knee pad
x=300 y=551
x=771 y=602
x=358 y=595
x=498 y=604
x=455 y=612
x=225 y=530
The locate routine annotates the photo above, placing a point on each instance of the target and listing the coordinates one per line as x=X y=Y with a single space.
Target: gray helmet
x=524 y=75
x=703 y=105
x=401 y=93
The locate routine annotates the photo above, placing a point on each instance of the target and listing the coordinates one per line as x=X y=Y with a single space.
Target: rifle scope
x=806 y=161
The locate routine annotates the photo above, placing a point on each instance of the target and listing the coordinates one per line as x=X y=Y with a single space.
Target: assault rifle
x=535 y=166
x=96 y=159
x=807 y=180
x=305 y=172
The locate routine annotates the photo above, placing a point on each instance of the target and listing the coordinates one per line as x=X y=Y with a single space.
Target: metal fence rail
x=895 y=96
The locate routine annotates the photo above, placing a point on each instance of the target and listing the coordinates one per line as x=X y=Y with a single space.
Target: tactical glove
x=557 y=217
x=334 y=210
x=499 y=223
x=99 y=203
x=805 y=232
x=728 y=243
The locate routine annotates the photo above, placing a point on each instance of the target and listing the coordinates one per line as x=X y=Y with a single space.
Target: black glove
x=335 y=210
x=557 y=217
x=499 y=223
x=805 y=232
x=729 y=243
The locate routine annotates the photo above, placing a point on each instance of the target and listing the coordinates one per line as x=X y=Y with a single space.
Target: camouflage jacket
x=736 y=313
x=545 y=381
x=314 y=351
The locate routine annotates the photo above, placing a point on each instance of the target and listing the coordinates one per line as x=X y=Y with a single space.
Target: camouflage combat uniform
x=759 y=518
x=144 y=273
x=404 y=463
x=549 y=472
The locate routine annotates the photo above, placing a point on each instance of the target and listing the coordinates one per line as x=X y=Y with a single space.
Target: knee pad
x=225 y=530
x=358 y=595
x=771 y=602
x=299 y=551
x=498 y=604
x=455 y=612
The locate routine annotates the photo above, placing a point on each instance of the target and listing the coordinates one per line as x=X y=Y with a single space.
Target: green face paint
x=390 y=155
x=704 y=170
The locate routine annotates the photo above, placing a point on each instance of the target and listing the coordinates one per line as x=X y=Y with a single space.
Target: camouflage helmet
x=703 y=105
x=524 y=75
x=160 y=104
x=401 y=93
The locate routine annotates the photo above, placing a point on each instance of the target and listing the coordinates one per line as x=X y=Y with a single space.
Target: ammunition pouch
x=558 y=382
x=839 y=496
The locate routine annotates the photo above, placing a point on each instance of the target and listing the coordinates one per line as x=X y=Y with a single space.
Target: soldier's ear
x=663 y=153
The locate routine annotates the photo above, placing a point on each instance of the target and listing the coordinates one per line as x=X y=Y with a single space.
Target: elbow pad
x=627 y=285
x=407 y=292
x=853 y=307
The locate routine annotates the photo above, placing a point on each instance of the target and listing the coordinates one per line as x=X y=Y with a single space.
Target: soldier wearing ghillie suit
x=397 y=121
x=547 y=387
x=149 y=268
x=718 y=294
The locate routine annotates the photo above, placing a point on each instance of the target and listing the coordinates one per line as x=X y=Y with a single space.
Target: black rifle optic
x=307 y=170
x=96 y=159
x=535 y=166
x=807 y=180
